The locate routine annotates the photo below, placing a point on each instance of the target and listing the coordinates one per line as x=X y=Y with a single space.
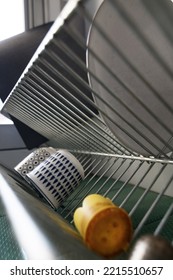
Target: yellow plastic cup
x=105 y=228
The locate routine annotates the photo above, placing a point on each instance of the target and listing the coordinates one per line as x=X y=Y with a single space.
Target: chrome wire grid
x=141 y=187
x=55 y=98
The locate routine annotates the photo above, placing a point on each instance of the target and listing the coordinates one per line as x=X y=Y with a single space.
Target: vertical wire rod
x=147 y=189
x=136 y=185
x=36 y=109
x=140 y=225
x=116 y=180
x=61 y=119
x=142 y=37
x=118 y=192
x=51 y=54
x=87 y=164
x=128 y=180
x=99 y=160
x=45 y=131
x=78 y=125
x=27 y=118
x=85 y=84
x=109 y=70
x=83 y=160
x=163 y=20
x=77 y=60
x=82 y=11
x=95 y=183
x=112 y=120
x=65 y=79
x=88 y=100
x=92 y=187
x=91 y=166
x=44 y=122
x=164 y=220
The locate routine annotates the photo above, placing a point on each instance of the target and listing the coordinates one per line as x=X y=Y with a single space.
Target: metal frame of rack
x=54 y=97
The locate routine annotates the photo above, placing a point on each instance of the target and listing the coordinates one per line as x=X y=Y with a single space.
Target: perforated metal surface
x=9 y=248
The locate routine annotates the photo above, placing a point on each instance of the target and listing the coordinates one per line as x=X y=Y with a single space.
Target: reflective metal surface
x=40 y=231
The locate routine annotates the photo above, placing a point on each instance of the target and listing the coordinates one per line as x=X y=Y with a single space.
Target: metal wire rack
x=54 y=96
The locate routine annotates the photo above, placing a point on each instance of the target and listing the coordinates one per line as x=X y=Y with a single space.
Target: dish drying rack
x=54 y=97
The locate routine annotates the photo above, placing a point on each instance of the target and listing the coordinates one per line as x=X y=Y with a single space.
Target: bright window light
x=12 y=21
x=3 y=119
